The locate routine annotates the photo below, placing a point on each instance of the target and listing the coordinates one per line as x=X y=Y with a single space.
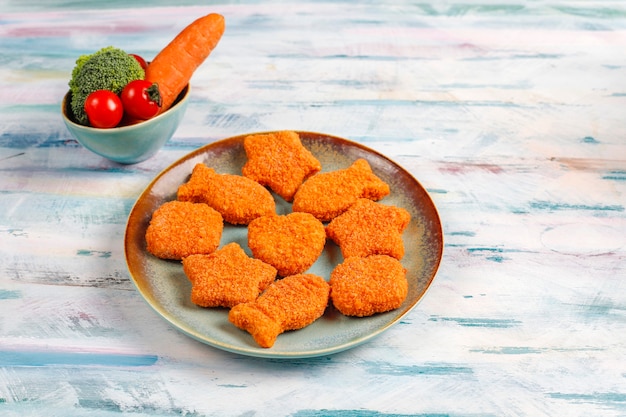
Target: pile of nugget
x=270 y=292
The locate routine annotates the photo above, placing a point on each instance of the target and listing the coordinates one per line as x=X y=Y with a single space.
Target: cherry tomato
x=141 y=61
x=104 y=109
x=141 y=99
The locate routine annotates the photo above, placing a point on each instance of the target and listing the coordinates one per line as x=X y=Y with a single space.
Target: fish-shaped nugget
x=227 y=277
x=365 y=286
x=291 y=243
x=178 y=229
x=279 y=161
x=238 y=199
x=290 y=303
x=370 y=228
x=328 y=194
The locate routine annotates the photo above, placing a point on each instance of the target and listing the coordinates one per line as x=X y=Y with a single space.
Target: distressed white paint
x=511 y=114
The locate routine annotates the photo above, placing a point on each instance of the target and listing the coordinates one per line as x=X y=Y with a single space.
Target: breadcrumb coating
x=238 y=199
x=226 y=277
x=178 y=229
x=370 y=228
x=291 y=243
x=365 y=286
x=328 y=194
x=370 y=280
x=279 y=161
x=290 y=303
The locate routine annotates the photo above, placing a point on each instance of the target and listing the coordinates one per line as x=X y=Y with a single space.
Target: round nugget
x=178 y=229
x=365 y=286
x=290 y=243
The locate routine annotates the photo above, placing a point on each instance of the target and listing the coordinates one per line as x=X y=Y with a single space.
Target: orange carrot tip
x=174 y=65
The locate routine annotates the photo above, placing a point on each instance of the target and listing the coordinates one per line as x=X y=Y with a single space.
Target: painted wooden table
x=511 y=114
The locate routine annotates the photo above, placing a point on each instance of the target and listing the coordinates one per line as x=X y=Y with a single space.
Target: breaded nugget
x=365 y=286
x=178 y=229
x=369 y=228
x=238 y=199
x=290 y=303
x=279 y=161
x=226 y=277
x=291 y=243
x=328 y=194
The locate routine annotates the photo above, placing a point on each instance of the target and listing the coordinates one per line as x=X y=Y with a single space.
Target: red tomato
x=104 y=109
x=141 y=99
x=141 y=61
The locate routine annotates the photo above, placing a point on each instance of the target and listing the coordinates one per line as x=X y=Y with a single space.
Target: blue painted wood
x=511 y=114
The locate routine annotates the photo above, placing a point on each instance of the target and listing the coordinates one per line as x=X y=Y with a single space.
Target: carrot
x=174 y=65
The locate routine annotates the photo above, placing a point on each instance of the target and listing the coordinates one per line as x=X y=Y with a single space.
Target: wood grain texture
x=511 y=114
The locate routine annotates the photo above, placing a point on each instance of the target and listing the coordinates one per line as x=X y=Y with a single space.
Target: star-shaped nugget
x=279 y=161
x=227 y=277
x=370 y=228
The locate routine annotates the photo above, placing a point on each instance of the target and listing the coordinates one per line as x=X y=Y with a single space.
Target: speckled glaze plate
x=167 y=290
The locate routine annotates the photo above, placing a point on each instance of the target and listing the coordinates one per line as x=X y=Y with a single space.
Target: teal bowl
x=128 y=144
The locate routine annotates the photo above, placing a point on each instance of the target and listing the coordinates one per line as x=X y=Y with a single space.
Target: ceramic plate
x=166 y=289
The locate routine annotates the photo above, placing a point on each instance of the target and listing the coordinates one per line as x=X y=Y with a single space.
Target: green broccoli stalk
x=107 y=69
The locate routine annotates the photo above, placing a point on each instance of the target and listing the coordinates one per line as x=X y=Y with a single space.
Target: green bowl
x=128 y=144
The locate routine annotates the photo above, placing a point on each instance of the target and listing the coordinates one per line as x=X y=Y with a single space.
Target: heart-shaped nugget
x=291 y=243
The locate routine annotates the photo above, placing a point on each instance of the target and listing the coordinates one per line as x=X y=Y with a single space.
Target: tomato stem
x=154 y=94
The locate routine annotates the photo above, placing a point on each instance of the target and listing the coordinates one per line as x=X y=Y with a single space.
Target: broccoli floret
x=107 y=69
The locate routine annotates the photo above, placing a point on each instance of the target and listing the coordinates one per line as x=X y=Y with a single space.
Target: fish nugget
x=227 y=277
x=369 y=228
x=178 y=229
x=328 y=194
x=365 y=286
x=291 y=243
x=238 y=199
x=290 y=303
x=279 y=161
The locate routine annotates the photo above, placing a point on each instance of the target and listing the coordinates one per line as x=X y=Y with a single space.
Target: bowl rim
x=182 y=96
